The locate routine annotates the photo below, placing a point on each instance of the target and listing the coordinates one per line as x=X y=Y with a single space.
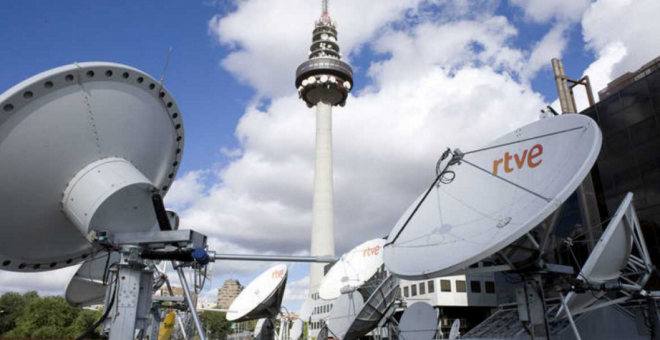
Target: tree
x=215 y=324
x=11 y=307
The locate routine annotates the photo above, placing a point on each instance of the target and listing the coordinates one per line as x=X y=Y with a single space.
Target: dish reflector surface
x=344 y=310
x=475 y=214
x=262 y=298
x=54 y=125
x=86 y=288
x=418 y=322
x=454 y=333
x=375 y=308
x=296 y=330
x=353 y=269
x=607 y=260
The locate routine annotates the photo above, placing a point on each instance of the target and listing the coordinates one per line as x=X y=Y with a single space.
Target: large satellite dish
x=344 y=310
x=84 y=148
x=490 y=197
x=418 y=322
x=353 y=269
x=89 y=284
x=262 y=298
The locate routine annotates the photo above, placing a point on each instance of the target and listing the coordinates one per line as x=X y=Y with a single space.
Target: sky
x=429 y=74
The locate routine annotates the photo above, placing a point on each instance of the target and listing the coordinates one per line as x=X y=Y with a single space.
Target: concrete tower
x=323 y=81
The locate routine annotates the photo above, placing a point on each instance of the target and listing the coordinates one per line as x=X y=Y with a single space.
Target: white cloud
x=550 y=46
x=46 y=283
x=547 y=10
x=296 y=291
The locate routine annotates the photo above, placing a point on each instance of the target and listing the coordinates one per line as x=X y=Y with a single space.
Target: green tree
x=48 y=317
x=11 y=307
x=215 y=324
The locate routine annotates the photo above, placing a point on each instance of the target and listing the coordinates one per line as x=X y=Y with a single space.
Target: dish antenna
x=297 y=330
x=344 y=311
x=86 y=147
x=378 y=307
x=306 y=309
x=418 y=322
x=353 y=269
x=455 y=331
x=89 y=284
x=613 y=262
x=262 y=298
x=483 y=200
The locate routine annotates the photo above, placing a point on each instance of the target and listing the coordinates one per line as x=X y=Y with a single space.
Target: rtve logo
x=278 y=274
x=528 y=157
x=370 y=251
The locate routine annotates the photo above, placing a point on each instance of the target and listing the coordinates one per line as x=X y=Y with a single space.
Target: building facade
x=228 y=293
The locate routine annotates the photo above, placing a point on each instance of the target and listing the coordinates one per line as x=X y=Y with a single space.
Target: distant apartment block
x=228 y=292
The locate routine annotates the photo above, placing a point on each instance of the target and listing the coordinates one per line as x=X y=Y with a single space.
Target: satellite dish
x=306 y=309
x=83 y=149
x=353 y=269
x=262 y=298
x=257 y=327
x=418 y=322
x=473 y=214
x=381 y=300
x=610 y=257
x=455 y=331
x=344 y=310
x=296 y=330
x=88 y=285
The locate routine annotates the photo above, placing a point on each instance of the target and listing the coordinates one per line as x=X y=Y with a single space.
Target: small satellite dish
x=353 y=269
x=610 y=257
x=381 y=300
x=88 y=285
x=455 y=331
x=264 y=330
x=296 y=330
x=418 y=322
x=490 y=197
x=306 y=309
x=84 y=147
x=344 y=310
x=257 y=327
x=262 y=298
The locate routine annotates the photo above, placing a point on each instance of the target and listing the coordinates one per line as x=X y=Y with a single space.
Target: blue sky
x=216 y=75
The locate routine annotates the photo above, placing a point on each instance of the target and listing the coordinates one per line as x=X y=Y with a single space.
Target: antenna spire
x=324 y=7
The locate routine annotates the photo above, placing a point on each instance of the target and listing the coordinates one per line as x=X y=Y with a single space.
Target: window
x=475 y=286
x=413 y=290
x=431 y=287
x=490 y=287
x=445 y=285
x=460 y=286
x=422 y=288
x=405 y=292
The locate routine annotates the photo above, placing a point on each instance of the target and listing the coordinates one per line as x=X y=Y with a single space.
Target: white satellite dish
x=418 y=322
x=455 y=331
x=353 y=269
x=262 y=298
x=492 y=196
x=83 y=148
x=375 y=308
x=296 y=330
x=610 y=257
x=306 y=309
x=257 y=327
x=88 y=285
x=344 y=311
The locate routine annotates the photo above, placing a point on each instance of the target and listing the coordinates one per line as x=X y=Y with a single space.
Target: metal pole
x=274 y=258
x=570 y=317
x=189 y=300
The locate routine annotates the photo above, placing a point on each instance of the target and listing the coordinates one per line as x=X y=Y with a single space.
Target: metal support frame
x=189 y=300
x=273 y=258
x=570 y=317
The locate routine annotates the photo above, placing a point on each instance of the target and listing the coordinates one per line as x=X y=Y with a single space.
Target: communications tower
x=323 y=81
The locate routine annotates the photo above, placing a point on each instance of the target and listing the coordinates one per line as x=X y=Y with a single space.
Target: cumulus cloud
x=544 y=11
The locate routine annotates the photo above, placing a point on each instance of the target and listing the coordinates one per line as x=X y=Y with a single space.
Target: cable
x=103 y=317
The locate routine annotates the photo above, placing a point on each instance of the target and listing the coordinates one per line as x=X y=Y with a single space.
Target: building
x=228 y=293
x=629 y=78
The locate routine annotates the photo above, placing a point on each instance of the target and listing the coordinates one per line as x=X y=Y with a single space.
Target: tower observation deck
x=323 y=81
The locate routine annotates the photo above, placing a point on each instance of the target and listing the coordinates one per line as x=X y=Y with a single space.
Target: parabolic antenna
x=353 y=269
x=344 y=310
x=84 y=147
x=306 y=309
x=88 y=285
x=375 y=308
x=455 y=331
x=418 y=322
x=262 y=298
x=611 y=256
x=257 y=327
x=488 y=198
x=296 y=330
